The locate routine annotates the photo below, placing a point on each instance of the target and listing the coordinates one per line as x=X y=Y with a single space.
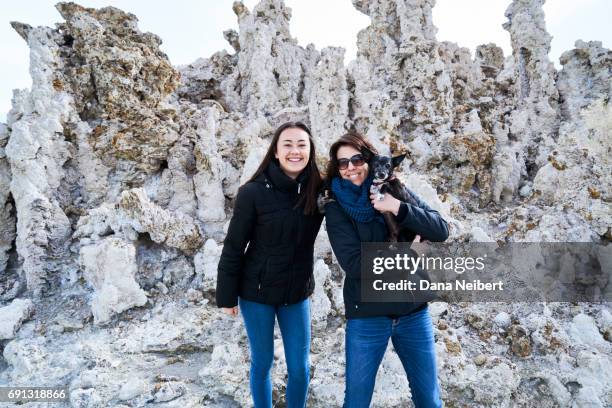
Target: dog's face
x=382 y=166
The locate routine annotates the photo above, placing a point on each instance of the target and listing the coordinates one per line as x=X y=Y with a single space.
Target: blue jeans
x=294 y=323
x=413 y=340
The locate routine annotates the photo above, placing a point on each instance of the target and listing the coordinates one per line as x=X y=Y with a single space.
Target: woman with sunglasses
x=276 y=215
x=355 y=217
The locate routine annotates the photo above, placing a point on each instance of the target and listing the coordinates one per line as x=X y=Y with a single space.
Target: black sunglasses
x=357 y=160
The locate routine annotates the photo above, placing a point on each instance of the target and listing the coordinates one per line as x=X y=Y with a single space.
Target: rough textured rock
x=118 y=173
x=110 y=267
x=328 y=105
x=119 y=79
x=7 y=217
x=37 y=153
x=163 y=227
x=13 y=315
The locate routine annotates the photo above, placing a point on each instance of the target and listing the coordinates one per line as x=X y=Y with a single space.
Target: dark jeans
x=413 y=340
x=294 y=323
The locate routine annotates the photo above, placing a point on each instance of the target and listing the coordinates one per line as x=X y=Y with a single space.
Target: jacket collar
x=275 y=175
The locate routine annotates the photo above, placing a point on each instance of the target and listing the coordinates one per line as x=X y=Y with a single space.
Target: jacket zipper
x=298 y=216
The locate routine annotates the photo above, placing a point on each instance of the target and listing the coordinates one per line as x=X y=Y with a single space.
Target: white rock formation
x=110 y=267
x=206 y=261
x=7 y=219
x=224 y=375
x=118 y=174
x=13 y=315
x=37 y=152
x=174 y=230
x=320 y=306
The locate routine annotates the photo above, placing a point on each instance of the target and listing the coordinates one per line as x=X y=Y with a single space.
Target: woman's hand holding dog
x=388 y=203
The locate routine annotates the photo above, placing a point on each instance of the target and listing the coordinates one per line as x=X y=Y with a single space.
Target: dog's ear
x=397 y=160
x=367 y=154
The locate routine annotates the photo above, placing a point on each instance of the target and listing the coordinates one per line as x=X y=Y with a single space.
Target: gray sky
x=193 y=28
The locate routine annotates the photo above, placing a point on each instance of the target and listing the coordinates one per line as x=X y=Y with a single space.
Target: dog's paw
x=322 y=200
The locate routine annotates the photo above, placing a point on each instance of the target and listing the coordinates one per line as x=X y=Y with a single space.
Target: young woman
x=354 y=217
x=276 y=214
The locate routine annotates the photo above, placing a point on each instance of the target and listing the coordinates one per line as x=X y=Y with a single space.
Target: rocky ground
x=118 y=172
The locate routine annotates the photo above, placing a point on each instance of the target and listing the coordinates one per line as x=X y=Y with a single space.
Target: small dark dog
x=382 y=168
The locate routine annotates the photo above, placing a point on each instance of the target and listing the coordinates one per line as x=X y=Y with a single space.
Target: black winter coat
x=276 y=268
x=346 y=236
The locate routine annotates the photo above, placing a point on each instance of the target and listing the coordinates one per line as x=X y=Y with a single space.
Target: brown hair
x=353 y=139
x=309 y=199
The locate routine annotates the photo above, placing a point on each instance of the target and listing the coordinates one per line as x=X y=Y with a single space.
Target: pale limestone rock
x=224 y=374
x=536 y=94
x=508 y=171
x=93 y=169
x=31 y=361
x=109 y=146
x=98 y=223
x=206 y=261
x=327 y=383
x=272 y=69
x=583 y=330
x=252 y=162
x=85 y=397
x=169 y=391
x=131 y=388
x=588 y=374
x=166 y=332
x=604 y=322
x=421 y=187
x=176 y=230
x=503 y=381
x=479 y=235
x=399 y=70
x=110 y=267
x=502 y=320
x=7 y=219
x=175 y=191
x=587 y=397
x=329 y=99
x=320 y=303
x=211 y=170
x=391 y=376
x=37 y=152
x=13 y=315
x=255 y=146
x=559 y=392
x=119 y=79
x=210 y=79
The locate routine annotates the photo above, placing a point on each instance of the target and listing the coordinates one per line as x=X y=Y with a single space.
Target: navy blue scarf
x=355 y=200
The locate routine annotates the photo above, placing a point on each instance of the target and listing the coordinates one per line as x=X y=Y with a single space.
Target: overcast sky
x=193 y=28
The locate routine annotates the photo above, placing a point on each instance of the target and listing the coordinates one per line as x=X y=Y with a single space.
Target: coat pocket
x=262 y=274
x=277 y=271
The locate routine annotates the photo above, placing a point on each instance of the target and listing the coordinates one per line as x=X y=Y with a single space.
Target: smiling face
x=293 y=151
x=356 y=174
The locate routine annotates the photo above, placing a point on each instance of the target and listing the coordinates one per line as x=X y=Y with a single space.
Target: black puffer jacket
x=277 y=266
x=346 y=236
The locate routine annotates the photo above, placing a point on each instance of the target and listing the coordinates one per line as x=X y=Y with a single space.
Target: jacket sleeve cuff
x=227 y=302
x=403 y=211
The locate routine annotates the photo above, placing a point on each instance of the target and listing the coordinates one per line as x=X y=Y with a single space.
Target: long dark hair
x=353 y=139
x=309 y=198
